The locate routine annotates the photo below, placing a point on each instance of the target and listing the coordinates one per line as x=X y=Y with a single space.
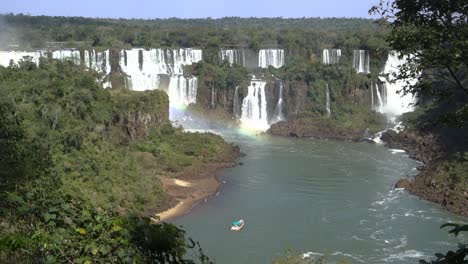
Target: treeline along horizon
x=298 y=36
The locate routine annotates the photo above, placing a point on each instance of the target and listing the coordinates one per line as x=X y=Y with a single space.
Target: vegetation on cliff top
x=71 y=187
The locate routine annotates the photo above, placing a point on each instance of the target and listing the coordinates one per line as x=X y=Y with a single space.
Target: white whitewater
x=395 y=103
x=15 y=56
x=271 y=57
x=142 y=67
x=361 y=60
x=331 y=56
x=182 y=90
x=212 y=97
x=327 y=106
x=279 y=110
x=72 y=55
x=99 y=62
x=254 y=107
x=182 y=57
x=233 y=56
x=144 y=76
x=379 y=97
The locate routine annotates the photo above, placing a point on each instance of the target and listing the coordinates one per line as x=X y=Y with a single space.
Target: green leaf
x=65 y=206
x=81 y=230
x=53 y=209
x=121 y=253
x=94 y=250
x=104 y=250
x=116 y=228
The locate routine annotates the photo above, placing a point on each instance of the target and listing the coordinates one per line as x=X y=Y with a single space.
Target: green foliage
x=433 y=33
x=457 y=257
x=176 y=151
x=80 y=191
x=52 y=227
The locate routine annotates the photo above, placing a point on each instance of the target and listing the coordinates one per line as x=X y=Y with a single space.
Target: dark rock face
x=314 y=128
x=429 y=149
x=419 y=147
x=403 y=183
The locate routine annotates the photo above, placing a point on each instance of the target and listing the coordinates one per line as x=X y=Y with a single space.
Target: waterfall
x=7 y=56
x=99 y=62
x=212 y=97
x=327 y=106
x=72 y=55
x=361 y=60
x=326 y=57
x=394 y=103
x=142 y=67
x=331 y=56
x=372 y=95
x=233 y=56
x=182 y=57
x=279 y=112
x=270 y=57
x=254 y=107
x=182 y=90
x=141 y=74
x=235 y=104
x=379 y=97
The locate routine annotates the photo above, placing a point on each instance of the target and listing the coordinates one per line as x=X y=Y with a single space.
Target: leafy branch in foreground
x=457 y=257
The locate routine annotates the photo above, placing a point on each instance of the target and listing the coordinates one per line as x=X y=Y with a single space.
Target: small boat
x=237 y=225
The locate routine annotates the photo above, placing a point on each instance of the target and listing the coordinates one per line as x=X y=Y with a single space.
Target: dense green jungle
x=81 y=166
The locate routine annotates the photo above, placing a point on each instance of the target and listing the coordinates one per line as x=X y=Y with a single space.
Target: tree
x=457 y=257
x=433 y=35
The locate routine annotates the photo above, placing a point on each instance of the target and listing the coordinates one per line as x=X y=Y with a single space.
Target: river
x=318 y=197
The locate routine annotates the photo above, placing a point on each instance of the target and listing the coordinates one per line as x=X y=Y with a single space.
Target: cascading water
x=233 y=56
x=395 y=103
x=279 y=110
x=254 y=107
x=142 y=67
x=73 y=55
x=182 y=57
x=361 y=60
x=331 y=56
x=327 y=106
x=15 y=56
x=141 y=74
x=182 y=91
x=271 y=57
x=379 y=97
x=99 y=62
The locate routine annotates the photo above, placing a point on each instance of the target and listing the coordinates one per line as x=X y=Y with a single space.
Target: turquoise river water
x=318 y=197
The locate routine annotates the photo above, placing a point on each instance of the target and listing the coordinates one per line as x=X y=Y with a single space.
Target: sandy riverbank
x=190 y=189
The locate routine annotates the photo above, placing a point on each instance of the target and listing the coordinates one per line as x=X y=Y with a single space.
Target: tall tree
x=433 y=34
